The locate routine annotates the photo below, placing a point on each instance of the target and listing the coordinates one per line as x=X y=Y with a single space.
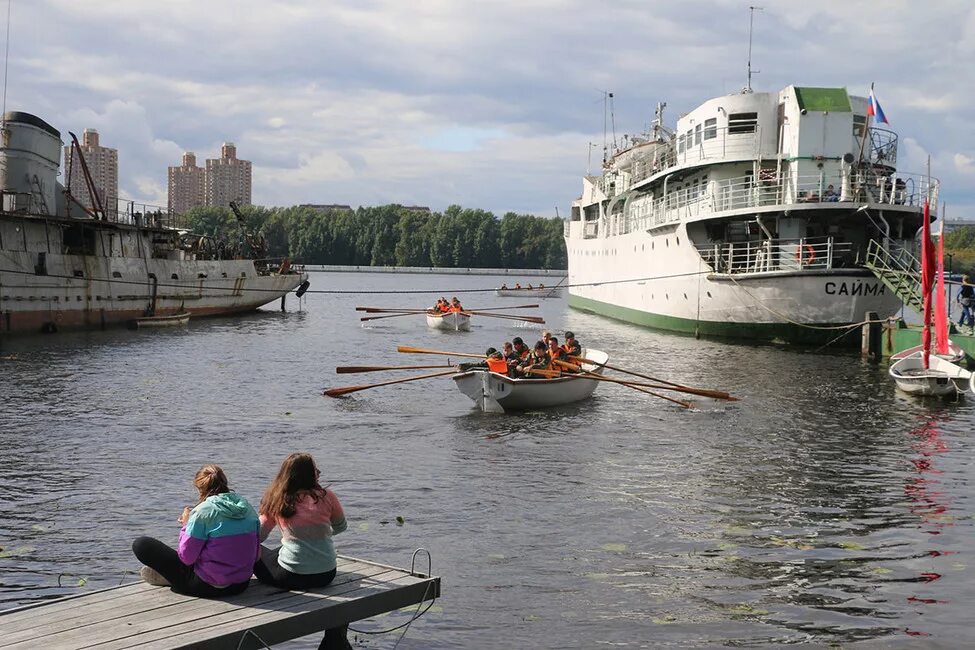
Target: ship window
x=243 y=275
x=201 y=275
x=224 y=274
x=709 y=294
x=116 y=274
x=174 y=276
x=79 y=274
x=697 y=134
x=680 y=144
x=859 y=124
x=742 y=122
x=678 y=240
x=690 y=138
x=711 y=128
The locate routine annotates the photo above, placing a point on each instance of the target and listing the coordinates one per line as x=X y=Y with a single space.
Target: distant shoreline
x=324 y=268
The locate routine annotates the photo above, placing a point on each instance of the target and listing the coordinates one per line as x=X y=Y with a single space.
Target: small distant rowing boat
x=939 y=379
x=534 y=292
x=496 y=393
x=172 y=320
x=454 y=321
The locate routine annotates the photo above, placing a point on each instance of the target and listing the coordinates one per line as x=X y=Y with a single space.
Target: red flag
x=927 y=280
x=940 y=308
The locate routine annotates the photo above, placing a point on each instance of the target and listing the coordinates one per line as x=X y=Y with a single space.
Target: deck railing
x=771 y=255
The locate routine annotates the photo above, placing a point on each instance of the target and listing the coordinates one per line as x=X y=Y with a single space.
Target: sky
x=484 y=104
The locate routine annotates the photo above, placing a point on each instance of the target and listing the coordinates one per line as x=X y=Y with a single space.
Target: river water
x=823 y=507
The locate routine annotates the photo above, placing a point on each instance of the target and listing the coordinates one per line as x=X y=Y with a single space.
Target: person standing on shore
x=966 y=298
x=218 y=543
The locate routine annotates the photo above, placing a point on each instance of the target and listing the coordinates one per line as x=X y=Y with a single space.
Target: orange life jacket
x=499 y=366
x=456 y=308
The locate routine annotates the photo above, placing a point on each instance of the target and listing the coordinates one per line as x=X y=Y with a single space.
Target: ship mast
x=751 y=26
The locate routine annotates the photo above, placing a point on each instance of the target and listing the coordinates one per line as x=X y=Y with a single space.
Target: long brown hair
x=210 y=480
x=298 y=474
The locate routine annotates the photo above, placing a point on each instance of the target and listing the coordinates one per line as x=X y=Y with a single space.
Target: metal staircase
x=899 y=270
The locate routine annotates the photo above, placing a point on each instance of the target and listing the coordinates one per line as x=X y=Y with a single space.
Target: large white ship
x=755 y=218
x=65 y=265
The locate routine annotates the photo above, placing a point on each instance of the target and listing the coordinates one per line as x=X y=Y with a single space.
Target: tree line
x=960 y=244
x=392 y=235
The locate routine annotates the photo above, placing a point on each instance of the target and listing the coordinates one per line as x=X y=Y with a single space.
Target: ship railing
x=777 y=255
x=702 y=145
x=271 y=265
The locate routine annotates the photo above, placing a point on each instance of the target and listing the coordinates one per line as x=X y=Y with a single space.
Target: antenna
x=612 y=117
x=592 y=145
x=606 y=96
x=6 y=60
x=751 y=24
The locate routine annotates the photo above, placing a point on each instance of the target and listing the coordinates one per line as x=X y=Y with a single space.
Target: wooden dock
x=140 y=615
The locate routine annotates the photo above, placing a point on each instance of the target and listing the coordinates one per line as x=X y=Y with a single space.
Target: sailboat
x=917 y=371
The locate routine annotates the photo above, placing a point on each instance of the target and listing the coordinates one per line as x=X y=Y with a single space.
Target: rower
x=455 y=305
x=504 y=286
x=572 y=346
x=517 y=285
x=537 y=360
x=546 y=335
x=497 y=363
x=555 y=352
x=520 y=348
x=478 y=365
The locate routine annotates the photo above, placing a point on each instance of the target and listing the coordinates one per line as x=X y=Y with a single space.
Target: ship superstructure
x=753 y=219
x=66 y=265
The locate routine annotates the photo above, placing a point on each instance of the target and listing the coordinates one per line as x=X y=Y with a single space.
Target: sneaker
x=153 y=577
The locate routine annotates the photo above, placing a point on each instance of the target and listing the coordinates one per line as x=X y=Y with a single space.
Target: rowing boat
x=939 y=379
x=534 y=292
x=454 y=321
x=171 y=320
x=495 y=393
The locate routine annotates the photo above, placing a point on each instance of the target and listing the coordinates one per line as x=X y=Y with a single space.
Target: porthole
x=174 y=276
x=116 y=274
x=709 y=294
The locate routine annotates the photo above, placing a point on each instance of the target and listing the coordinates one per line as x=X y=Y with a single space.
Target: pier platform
x=140 y=615
x=900 y=336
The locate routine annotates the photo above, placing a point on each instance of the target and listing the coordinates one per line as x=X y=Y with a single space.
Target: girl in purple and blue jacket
x=218 y=543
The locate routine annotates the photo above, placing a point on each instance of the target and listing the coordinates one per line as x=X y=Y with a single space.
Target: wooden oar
x=344 y=370
x=381 y=309
x=411 y=350
x=528 y=319
x=345 y=390
x=365 y=318
x=704 y=392
x=631 y=384
x=553 y=374
x=395 y=311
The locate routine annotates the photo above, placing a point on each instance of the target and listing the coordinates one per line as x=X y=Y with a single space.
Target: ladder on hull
x=899 y=270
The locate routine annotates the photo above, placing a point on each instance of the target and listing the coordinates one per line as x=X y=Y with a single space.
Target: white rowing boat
x=496 y=393
x=939 y=379
x=955 y=353
x=171 y=320
x=534 y=292
x=453 y=321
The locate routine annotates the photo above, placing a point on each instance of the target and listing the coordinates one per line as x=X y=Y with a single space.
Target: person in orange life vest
x=517 y=285
x=496 y=363
x=555 y=352
x=510 y=356
x=478 y=365
x=541 y=286
x=455 y=305
x=530 y=285
x=520 y=348
x=546 y=335
x=571 y=345
x=537 y=360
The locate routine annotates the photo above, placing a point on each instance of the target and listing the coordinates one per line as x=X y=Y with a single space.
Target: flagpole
x=863 y=142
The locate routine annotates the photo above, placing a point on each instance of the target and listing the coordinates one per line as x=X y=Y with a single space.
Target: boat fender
x=302 y=288
x=805 y=255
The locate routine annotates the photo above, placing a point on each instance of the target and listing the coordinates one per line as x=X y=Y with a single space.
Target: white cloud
x=333 y=101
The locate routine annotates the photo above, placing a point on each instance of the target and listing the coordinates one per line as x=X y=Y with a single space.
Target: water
x=823 y=507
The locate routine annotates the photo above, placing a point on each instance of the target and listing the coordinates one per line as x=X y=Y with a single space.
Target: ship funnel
x=30 y=154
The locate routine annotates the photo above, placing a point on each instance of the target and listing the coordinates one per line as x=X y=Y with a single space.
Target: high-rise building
x=187 y=185
x=103 y=166
x=228 y=179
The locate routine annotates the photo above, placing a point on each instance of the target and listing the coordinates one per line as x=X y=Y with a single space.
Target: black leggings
x=182 y=578
x=270 y=572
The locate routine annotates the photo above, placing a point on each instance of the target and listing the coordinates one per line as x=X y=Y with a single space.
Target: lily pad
x=82 y=581
x=614 y=548
x=852 y=546
x=666 y=619
x=400 y=520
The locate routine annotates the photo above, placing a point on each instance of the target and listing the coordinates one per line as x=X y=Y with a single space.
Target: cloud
x=433 y=102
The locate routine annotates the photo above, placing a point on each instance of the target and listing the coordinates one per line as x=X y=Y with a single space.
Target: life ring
x=805 y=255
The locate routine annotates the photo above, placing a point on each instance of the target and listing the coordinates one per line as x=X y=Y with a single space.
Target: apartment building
x=187 y=185
x=103 y=166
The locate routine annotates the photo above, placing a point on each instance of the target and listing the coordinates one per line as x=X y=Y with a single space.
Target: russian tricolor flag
x=874 y=110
